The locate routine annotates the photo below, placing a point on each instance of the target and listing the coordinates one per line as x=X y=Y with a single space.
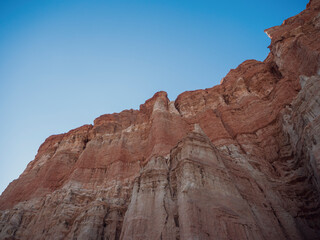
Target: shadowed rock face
x=240 y=160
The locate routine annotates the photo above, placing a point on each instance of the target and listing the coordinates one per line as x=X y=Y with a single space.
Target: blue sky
x=64 y=63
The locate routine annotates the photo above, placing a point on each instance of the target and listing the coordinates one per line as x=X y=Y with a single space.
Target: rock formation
x=240 y=160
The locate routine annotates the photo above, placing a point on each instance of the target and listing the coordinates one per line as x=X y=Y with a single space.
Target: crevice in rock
x=226 y=98
x=176 y=105
x=104 y=224
x=280 y=224
x=274 y=69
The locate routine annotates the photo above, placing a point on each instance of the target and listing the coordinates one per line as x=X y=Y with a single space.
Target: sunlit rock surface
x=240 y=160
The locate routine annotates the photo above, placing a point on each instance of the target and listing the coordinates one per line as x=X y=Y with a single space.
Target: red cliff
x=240 y=160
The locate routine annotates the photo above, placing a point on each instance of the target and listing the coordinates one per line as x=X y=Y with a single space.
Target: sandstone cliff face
x=237 y=161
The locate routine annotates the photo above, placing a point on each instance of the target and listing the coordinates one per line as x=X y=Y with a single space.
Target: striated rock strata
x=240 y=160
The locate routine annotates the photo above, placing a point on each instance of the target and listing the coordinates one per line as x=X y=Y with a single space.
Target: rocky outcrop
x=188 y=195
x=240 y=160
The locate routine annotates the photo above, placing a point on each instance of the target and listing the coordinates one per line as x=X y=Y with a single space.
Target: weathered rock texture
x=237 y=161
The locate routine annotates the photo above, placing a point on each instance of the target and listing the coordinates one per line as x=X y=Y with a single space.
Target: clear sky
x=63 y=63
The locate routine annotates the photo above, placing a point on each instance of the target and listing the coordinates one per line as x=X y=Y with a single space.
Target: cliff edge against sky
x=240 y=160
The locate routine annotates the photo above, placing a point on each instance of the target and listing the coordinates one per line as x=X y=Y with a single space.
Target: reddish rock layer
x=236 y=161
